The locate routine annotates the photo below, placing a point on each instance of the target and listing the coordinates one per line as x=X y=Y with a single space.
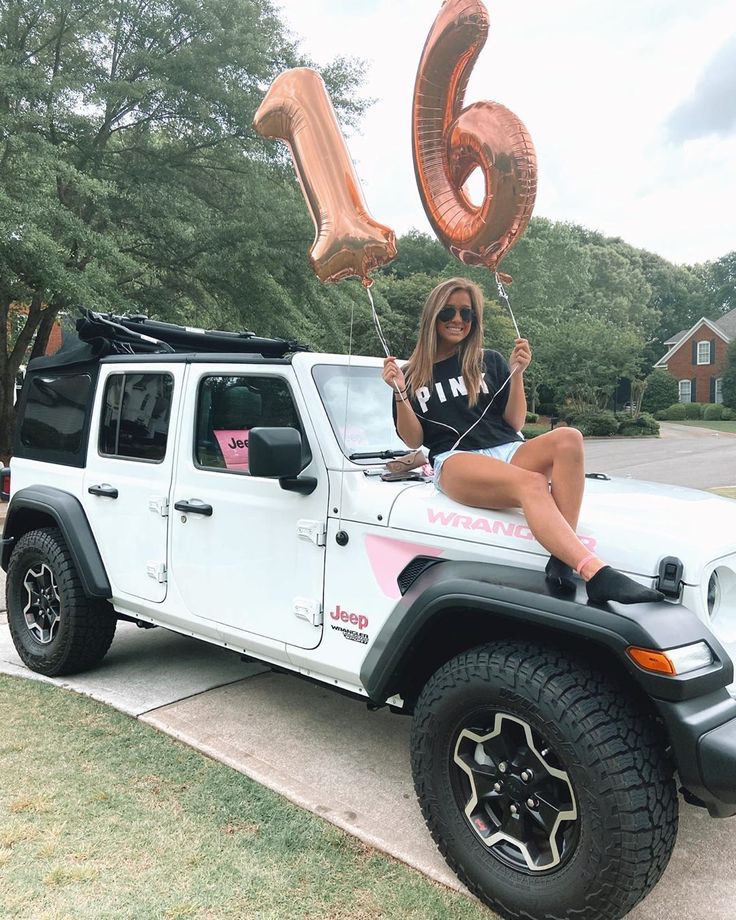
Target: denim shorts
x=500 y=452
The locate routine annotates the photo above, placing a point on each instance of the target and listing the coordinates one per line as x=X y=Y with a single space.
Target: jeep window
x=54 y=416
x=228 y=406
x=135 y=416
x=358 y=405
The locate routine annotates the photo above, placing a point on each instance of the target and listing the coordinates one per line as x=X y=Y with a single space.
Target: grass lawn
x=103 y=817
x=700 y=423
x=727 y=492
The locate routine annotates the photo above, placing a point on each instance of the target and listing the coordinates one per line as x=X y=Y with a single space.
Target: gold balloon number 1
x=449 y=143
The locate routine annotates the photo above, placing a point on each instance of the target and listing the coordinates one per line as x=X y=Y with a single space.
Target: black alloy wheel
x=42 y=610
x=512 y=789
x=547 y=788
x=55 y=627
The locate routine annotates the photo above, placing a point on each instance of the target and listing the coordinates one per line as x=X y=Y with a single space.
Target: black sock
x=560 y=574
x=610 y=585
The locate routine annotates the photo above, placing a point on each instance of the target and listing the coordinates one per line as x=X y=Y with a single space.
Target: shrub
x=693 y=410
x=727 y=415
x=713 y=412
x=645 y=425
x=534 y=430
x=661 y=391
x=675 y=413
x=531 y=418
x=594 y=422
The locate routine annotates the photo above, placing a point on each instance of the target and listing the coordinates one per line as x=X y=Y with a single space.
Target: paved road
x=682 y=456
x=330 y=755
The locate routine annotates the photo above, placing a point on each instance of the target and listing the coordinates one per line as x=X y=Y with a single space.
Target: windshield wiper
x=381 y=455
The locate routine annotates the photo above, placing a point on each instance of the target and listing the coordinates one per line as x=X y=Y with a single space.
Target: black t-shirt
x=444 y=412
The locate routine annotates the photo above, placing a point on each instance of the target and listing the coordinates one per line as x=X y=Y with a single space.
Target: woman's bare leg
x=483 y=482
x=559 y=455
x=474 y=479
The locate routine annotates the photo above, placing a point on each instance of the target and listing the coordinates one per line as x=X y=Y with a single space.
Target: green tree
x=583 y=359
x=131 y=179
x=729 y=378
x=661 y=391
x=719 y=278
x=419 y=253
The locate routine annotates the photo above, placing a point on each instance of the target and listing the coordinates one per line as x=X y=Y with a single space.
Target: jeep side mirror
x=276 y=453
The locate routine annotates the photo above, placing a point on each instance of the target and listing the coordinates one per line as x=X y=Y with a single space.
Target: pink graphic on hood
x=388 y=557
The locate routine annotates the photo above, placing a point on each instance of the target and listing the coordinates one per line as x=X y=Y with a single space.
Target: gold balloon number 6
x=449 y=143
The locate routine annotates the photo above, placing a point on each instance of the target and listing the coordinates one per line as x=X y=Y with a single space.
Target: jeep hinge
x=157 y=571
x=314 y=531
x=308 y=609
x=160 y=505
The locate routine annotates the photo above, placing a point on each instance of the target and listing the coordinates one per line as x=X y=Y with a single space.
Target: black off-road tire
x=81 y=629
x=620 y=839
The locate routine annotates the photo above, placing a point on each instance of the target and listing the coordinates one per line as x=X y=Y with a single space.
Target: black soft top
x=103 y=334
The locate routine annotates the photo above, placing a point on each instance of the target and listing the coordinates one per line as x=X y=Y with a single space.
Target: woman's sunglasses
x=447 y=313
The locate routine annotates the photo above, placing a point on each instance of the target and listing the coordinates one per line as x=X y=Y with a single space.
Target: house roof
x=729 y=321
x=674 y=339
x=727 y=324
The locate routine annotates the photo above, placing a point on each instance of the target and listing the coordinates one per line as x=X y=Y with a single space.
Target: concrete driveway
x=330 y=755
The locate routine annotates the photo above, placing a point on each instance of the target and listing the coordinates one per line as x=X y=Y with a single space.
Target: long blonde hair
x=418 y=370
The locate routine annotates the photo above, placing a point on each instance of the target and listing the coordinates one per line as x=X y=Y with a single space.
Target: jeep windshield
x=358 y=405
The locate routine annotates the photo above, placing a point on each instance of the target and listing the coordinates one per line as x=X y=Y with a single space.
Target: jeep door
x=128 y=474
x=245 y=553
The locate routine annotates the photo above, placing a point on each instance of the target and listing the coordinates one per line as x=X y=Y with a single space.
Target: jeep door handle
x=105 y=491
x=194 y=507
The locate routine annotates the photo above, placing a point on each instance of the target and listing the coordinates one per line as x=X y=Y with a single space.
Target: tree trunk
x=10 y=362
x=45 y=327
x=7 y=415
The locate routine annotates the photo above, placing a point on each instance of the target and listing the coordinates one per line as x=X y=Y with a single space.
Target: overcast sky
x=631 y=105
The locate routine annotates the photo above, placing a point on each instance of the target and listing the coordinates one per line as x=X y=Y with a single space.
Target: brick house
x=697 y=358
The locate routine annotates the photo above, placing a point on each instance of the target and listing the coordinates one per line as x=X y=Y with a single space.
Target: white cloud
x=595 y=83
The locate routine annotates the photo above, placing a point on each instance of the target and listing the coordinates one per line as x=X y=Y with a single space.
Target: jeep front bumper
x=702 y=732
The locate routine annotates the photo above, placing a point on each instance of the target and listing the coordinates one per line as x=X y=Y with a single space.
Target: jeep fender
x=30 y=509
x=512 y=599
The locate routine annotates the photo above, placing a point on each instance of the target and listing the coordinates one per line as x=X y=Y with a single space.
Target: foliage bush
x=593 y=422
x=727 y=415
x=661 y=391
x=693 y=410
x=712 y=412
x=674 y=413
x=644 y=425
x=534 y=430
x=531 y=418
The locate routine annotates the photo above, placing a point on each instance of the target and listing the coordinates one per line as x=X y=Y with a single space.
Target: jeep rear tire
x=548 y=792
x=56 y=628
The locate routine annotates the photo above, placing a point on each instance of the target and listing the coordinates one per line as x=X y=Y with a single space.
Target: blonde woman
x=441 y=400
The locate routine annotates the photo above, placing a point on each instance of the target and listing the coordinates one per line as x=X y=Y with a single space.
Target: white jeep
x=230 y=488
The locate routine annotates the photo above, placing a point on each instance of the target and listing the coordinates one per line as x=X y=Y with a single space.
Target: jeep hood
x=631 y=524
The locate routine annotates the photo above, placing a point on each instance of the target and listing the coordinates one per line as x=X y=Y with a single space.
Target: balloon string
x=345 y=418
x=377 y=324
x=504 y=296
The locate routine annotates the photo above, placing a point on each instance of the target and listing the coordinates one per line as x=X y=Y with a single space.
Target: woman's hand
x=521 y=356
x=393 y=375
